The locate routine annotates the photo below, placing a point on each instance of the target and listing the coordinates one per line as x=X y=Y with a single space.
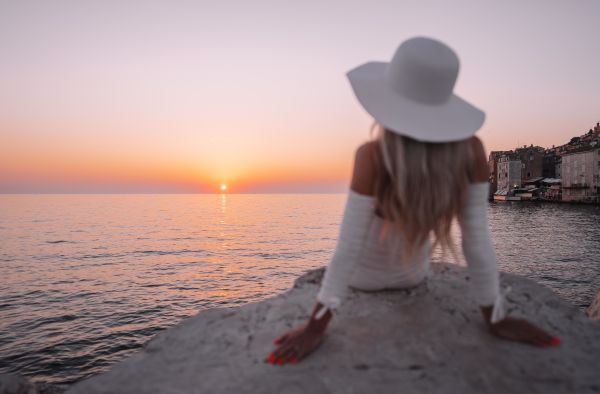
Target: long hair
x=420 y=187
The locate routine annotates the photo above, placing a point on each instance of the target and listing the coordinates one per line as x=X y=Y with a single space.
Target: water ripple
x=87 y=280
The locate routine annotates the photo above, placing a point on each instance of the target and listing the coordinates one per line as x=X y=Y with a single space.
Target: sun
x=223 y=187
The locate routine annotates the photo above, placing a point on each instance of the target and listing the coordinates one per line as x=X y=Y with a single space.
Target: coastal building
x=551 y=189
x=558 y=167
x=509 y=172
x=581 y=174
x=569 y=172
x=533 y=182
x=493 y=169
x=532 y=161
x=549 y=163
x=582 y=142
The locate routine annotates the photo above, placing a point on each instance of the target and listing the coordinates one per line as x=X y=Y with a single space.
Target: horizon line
x=165 y=193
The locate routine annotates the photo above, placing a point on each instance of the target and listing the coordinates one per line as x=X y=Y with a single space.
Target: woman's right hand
x=520 y=330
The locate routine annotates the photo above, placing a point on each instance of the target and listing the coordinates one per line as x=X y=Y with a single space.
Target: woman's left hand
x=295 y=344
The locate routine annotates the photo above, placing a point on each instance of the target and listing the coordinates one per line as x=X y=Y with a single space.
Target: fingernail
x=271 y=357
x=294 y=360
x=555 y=341
x=281 y=362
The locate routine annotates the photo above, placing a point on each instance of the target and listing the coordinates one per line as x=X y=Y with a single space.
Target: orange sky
x=157 y=96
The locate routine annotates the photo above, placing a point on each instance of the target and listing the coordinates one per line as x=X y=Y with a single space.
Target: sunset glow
x=171 y=100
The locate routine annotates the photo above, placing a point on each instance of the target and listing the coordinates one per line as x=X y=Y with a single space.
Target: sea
x=86 y=280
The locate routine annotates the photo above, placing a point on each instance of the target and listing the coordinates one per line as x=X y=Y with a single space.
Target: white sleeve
x=356 y=221
x=479 y=250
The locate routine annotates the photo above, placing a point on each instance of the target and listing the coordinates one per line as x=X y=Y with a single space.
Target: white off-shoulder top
x=362 y=261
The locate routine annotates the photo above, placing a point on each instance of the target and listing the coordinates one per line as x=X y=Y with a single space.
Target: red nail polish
x=555 y=341
x=271 y=358
x=281 y=361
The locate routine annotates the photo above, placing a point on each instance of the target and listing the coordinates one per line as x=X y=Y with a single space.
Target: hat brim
x=453 y=120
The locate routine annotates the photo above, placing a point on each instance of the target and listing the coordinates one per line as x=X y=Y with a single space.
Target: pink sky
x=182 y=96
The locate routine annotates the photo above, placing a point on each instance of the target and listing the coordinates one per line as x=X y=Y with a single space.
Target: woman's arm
x=481 y=260
x=358 y=212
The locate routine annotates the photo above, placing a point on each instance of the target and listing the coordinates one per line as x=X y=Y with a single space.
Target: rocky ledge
x=431 y=339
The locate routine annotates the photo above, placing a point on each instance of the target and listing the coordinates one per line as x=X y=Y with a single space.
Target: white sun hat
x=413 y=94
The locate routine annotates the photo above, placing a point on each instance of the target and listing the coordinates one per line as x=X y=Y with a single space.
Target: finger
x=542 y=336
x=294 y=357
x=281 y=351
x=284 y=346
x=545 y=340
x=551 y=341
x=281 y=338
x=542 y=333
x=305 y=350
x=270 y=358
x=538 y=337
x=290 y=354
x=274 y=358
x=548 y=340
x=277 y=352
x=537 y=341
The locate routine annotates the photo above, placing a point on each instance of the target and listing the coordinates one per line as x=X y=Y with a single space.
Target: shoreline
x=592 y=203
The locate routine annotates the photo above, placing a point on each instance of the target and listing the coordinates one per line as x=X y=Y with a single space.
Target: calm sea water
x=88 y=279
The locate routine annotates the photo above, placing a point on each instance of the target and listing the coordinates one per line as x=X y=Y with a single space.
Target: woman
x=424 y=169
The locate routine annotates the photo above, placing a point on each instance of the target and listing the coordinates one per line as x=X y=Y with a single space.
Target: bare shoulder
x=363 y=174
x=480 y=171
x=367 y=150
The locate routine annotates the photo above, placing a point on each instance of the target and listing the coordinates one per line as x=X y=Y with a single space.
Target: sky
x=184 y=96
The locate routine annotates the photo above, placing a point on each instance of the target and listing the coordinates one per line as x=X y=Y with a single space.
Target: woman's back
x=380 y=266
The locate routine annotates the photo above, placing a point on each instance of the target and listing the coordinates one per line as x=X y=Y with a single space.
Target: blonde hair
x=420 y=187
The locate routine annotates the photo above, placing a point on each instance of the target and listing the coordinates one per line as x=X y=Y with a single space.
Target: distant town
x=565 y=173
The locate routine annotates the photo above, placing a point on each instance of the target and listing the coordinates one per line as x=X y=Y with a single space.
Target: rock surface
x=593 y=311
x=12 y=383
x=430 y=339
